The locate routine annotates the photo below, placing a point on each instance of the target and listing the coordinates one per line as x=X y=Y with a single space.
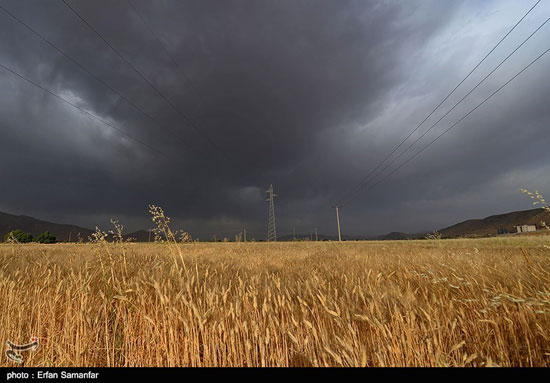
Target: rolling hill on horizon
x=473 y=227
x=397 y=235
x=483 y=227
x=62 y=232
x=492 y=224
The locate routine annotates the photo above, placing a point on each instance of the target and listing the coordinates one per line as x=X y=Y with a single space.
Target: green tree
x=46 y=237
x=19 y=236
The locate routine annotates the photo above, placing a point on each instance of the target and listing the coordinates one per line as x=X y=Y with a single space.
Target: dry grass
x=411 y=303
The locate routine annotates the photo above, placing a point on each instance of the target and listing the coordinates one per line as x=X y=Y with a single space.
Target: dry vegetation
x=409 y=303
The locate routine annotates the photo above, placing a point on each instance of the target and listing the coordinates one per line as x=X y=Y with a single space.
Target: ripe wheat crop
x=482 y=302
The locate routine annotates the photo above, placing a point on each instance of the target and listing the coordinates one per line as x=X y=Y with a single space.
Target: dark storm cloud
x=307 y=95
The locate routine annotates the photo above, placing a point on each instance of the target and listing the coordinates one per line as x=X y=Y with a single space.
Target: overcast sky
x=306 y=95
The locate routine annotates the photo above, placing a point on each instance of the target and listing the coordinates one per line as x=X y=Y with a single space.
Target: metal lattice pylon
x=271 y=229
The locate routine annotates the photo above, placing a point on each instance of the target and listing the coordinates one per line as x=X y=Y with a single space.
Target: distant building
x=525 y=228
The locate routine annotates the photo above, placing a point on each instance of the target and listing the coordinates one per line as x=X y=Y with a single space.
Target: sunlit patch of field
x=475 y=302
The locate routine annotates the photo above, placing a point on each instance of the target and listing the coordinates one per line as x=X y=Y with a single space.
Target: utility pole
x=337 y=207
x=244 y=231
x=316 y=238
x=271 y=229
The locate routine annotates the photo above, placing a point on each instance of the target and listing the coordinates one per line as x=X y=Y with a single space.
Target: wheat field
x=482 y=302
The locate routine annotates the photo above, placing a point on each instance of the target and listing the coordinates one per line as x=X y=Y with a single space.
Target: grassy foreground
x=471 y=302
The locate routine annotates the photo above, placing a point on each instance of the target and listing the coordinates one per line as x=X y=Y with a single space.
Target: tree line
x=20 y=236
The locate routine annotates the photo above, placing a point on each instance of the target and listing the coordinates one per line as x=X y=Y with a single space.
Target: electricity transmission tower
x=271 y=230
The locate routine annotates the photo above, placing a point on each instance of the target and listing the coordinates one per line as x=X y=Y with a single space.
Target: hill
x=471 y=228
x=62 y=232
x=492 y=224
x=320 y=237
x=140 y=236
x=9 y=222
x=396 y=235
x=305 y=237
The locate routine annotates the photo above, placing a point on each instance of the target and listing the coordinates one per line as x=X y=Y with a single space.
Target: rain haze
x=203 y=104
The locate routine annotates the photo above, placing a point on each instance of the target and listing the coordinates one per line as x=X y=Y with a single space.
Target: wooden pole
x=338 y=220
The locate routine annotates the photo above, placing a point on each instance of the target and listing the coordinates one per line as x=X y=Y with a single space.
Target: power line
x=177 y=110
x=163 y=45
x=74 y=61
x=81 y=66
x=84 y=111
x=195 y=90
x=367 y=177
x=458 y=103
x=461 y=119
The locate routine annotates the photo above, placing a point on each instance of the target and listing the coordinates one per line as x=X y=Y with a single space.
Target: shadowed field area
x=464 y=302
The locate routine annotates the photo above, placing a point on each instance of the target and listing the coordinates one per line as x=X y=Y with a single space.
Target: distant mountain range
x=488 y=226
x=474 y=227
x=62 y=232
x=320 y=237
x=396 y=235
x=492 y=224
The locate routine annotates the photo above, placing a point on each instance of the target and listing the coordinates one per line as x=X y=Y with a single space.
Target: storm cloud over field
x=306 y=95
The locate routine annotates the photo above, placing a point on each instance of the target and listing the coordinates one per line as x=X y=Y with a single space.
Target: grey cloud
x=307 y=95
